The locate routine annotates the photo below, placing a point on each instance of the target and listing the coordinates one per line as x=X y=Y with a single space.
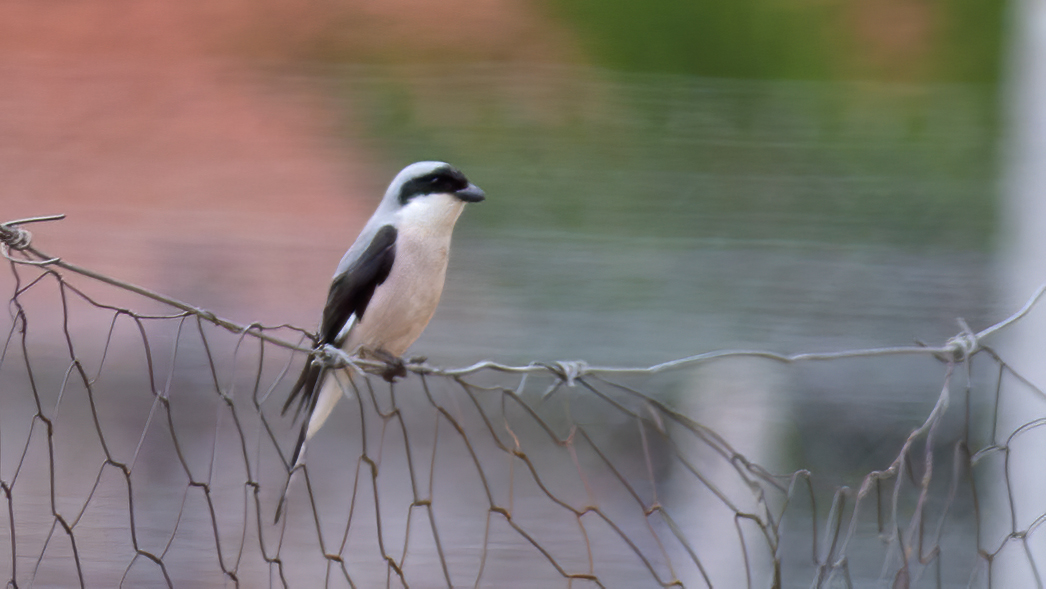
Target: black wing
x=349 y=295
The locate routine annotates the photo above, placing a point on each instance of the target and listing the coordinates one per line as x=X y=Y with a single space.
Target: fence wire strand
x=156 y=456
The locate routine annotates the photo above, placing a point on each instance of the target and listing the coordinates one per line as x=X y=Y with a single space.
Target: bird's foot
x=394 y=369
x=394 y=365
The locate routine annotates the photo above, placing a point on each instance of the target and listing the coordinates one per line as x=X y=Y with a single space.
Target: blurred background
x=664 y=178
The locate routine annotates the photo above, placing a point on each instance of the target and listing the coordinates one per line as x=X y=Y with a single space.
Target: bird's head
x=423 y=179
x=430 y=193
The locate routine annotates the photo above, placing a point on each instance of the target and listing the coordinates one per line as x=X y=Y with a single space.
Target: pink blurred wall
x=181 y=166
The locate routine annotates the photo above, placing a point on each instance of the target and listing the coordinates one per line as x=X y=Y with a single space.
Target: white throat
x=432 y=215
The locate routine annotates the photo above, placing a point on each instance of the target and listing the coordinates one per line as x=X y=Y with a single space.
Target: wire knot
x=15 y=238
x=963 y=345
x=569 y=370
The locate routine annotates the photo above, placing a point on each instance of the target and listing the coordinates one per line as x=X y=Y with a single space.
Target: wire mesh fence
x=141 y=444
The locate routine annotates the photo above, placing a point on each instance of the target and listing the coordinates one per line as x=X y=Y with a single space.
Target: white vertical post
x=1023 y=233
x=741 y=400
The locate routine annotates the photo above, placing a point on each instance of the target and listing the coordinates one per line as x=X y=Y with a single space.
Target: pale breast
x=403 y=305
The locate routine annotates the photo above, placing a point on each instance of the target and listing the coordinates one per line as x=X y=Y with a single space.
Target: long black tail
x=294 y=462
x=304 y=391
x=305 y=386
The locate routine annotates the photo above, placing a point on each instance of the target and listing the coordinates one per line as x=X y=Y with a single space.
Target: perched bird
x=387 y=285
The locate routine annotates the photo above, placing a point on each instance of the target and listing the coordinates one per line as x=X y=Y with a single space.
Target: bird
x=386 y=288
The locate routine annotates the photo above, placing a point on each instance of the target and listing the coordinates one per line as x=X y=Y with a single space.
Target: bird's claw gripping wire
x=395 y=367
x=384 y=364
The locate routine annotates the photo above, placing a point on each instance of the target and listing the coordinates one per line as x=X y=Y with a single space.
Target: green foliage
x=692 y=123
x=784 y=39
x=735 y=38
x=686 y=158
x=972 y=41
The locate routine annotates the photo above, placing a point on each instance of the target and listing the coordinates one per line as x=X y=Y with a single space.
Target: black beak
x=470 y=193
